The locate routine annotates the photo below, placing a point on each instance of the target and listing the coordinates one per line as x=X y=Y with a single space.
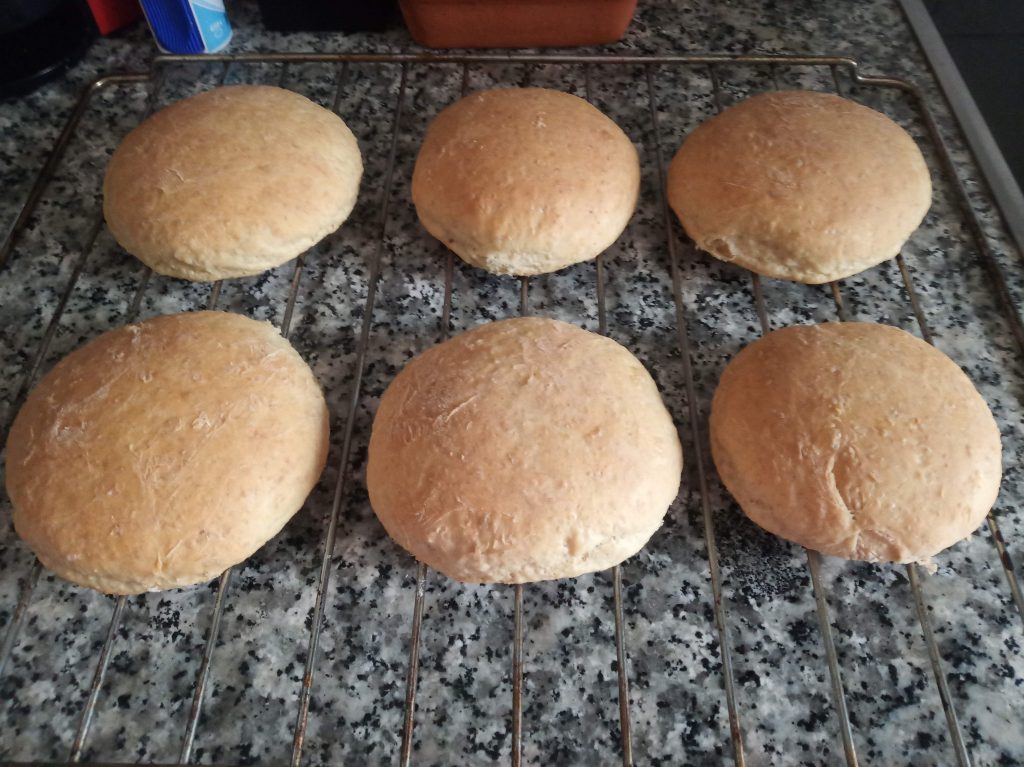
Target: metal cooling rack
x=710 y=66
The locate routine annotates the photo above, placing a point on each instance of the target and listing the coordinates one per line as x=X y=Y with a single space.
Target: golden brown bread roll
x=523 y=450
x=160 y=454
x=525 y=180
x=857 y=440
x=231 y=182
x=800 y=185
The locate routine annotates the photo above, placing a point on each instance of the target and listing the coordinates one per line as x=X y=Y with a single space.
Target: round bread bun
x=800 y=185
x=232 y=182
x=160 y=454
x=523 y=450
x=856 y=440
x=525 y=180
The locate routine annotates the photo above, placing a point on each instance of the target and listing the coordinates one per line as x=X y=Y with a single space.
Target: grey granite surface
x=571 y=713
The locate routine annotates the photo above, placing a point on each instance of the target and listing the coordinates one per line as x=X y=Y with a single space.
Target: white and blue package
x=188 y=26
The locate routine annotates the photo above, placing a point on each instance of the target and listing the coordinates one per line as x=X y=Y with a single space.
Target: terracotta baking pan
x=516 y=23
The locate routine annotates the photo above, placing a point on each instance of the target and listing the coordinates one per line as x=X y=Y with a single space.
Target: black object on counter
x=40 y=40
x=329 y=15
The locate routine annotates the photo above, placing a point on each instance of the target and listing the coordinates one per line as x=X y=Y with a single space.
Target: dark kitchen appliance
x=328 y=15
x=40 y=39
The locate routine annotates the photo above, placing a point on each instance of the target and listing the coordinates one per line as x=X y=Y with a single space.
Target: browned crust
x=159 y=454
x=525 y=180
x=857 y=440
x=800 y=185
x=523 y=450
x=232 y=182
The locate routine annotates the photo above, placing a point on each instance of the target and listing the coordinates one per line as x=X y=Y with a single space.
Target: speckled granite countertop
x=570 y=696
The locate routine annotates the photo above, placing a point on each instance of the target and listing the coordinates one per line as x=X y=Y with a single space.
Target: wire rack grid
x=737 y=646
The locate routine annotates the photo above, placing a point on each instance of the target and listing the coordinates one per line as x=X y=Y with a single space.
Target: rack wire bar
x=191 y=724
x=412 y=679
x=97 y=682
x=952 y=723
x=211 y=304
x=293 y=294
x=602 y=320
x=683 y=340
x=837 y=296
x=625 y=725
x=427 y=59
x=762 y=312
x=1008 y=567
x=202 y=677
x=18 y=616
x=934 y=655
x=57 y=154
x=813 y=557
x=820 y=599
x=831 y=657
x=136 y=305
x=414 y=651
x=517 y=608
x=409 y=719
x=915 y=304
x=517 y=674
x=921 y=608
x=344 y=470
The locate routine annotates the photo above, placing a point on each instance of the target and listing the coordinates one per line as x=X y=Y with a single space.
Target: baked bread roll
x=232 y=182
x=160 y=454
x=857 y=440
x=523 y=450
x=800 y=185
x=525 y=180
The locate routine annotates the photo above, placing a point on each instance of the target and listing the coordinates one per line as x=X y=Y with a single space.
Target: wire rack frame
x=712 y=63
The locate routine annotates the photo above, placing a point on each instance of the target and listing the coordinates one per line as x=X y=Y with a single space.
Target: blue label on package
x=213 y=23
x=180 y=26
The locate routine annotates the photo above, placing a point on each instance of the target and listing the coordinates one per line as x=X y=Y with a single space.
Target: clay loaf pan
x=516 y=23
